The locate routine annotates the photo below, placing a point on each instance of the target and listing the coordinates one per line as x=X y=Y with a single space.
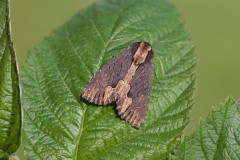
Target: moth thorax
x=141 y=53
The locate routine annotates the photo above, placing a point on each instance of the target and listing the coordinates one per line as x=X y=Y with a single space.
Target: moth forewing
x=126 y=80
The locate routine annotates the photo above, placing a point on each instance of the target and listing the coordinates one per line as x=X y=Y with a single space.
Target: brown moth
x=126 y=80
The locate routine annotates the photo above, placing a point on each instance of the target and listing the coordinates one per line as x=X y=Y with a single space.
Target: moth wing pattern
x=140 y=88
x=109 y=75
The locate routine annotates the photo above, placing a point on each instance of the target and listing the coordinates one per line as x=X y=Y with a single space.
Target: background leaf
x=10 y=109
x=217 y=138
x=59 y=125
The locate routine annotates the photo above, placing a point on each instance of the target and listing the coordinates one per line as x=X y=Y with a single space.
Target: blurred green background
x=215 y=28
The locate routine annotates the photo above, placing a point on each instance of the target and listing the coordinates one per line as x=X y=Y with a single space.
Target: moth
x=126 y=80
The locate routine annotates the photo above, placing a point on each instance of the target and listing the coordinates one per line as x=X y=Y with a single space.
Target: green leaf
x=10 y=109
x=59 y=125
x=218 y=138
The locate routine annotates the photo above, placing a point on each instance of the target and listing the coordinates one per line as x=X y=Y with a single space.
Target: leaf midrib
x=221 y=134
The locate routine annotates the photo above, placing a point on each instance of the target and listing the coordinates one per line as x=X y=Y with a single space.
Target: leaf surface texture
x=59 y=125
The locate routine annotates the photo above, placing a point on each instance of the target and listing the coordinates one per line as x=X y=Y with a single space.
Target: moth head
x=141 y=53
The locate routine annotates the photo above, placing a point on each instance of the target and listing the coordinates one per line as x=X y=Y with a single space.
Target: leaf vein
x=75 y=51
